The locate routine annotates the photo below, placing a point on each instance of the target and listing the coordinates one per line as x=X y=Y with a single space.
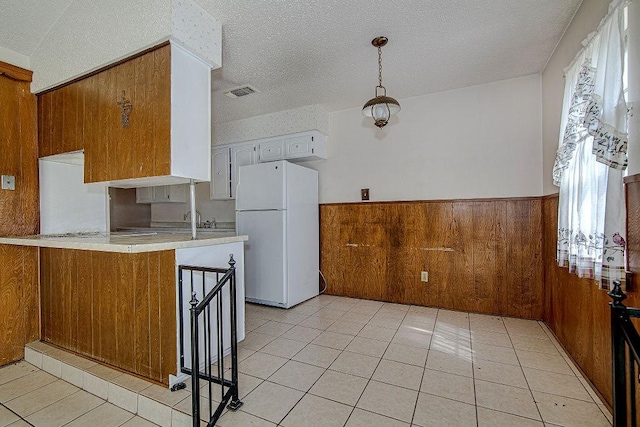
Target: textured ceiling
x=305 y=52
x=24 y=23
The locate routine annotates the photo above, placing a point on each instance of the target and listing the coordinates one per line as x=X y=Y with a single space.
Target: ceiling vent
x=240 y=91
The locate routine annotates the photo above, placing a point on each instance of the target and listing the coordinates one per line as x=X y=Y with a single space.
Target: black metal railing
x=208 y=326
x=625 y=347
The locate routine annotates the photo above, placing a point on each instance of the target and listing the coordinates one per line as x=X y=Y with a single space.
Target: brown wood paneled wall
x=481 y=255
x=19 y=301
x=19 y=209
x=19 y=214
x=577 y=311
x=113 y=307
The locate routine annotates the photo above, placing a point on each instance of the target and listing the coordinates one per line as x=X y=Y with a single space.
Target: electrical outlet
x=364 y=193
x=8 y=182
x=424 y=276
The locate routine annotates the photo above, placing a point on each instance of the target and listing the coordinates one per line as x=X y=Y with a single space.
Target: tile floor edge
x=35 y=357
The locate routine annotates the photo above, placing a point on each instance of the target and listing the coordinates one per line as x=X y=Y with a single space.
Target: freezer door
x=261 y=186
x=265 y=263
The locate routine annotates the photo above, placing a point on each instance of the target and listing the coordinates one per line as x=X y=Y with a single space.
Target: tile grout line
x=374 y=371
x=473 y=370
x=525 y=377
x=424 y=367
x=365 y=387
x=15 y=413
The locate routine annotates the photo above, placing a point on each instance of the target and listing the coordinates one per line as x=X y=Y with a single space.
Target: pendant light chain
x=380 y=66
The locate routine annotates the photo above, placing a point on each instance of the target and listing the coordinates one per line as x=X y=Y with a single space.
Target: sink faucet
x=198 y=217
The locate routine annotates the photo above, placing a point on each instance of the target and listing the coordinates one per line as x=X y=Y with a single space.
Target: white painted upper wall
x=92 y=34
x=478 y=142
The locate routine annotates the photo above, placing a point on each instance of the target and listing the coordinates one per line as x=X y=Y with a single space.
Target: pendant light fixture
x=382 y=106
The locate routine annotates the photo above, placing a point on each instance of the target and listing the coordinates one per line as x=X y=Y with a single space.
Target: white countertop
x=126 y=243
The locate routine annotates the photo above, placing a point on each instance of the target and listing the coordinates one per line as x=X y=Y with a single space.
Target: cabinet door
x=114 y=151
x=270 y=151
x=161 y=194
x=60 y=125
x=221 y=180
x=177 y=193
x=298 y=146
x=144 y=195
x=241 y=155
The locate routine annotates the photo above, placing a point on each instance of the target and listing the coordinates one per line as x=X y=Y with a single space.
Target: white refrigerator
x=277 y=207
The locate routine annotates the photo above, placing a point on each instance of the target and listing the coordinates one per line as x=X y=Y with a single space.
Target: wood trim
x=631 y=178
x=106 y=67
x=385 y=202
x=15 y=73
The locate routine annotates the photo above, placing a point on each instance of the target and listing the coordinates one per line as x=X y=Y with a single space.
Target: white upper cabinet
x=221 y=179
x=162 y=194
x=241 y=155
x=309 y=146
x=269 y=151
x=228 y=158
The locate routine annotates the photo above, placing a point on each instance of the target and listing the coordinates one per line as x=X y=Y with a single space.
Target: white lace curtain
x=592 y=156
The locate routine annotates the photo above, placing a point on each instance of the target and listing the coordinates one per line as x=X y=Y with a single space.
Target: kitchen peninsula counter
x=114 y=298
x=123 y=243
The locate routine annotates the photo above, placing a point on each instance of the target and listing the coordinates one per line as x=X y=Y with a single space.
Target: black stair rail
x=624 y=336
x=201 y=318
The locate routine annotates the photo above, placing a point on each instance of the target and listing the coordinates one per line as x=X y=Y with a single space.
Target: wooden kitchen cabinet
x=140 y=149
x=60 y=115
x=143 y=122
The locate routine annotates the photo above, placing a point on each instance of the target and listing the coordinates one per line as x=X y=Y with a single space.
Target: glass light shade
x=381 y=108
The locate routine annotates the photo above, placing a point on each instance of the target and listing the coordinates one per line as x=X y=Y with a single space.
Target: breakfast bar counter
x=121 y=242
x=114 y=297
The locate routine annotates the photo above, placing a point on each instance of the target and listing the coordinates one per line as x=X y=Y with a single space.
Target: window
x=592 y=155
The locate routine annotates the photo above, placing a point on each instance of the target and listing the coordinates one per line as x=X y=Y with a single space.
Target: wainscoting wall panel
x=117 y=308
x=19 y=305
x=481 y=255
x=577 y=311
x=19 y=213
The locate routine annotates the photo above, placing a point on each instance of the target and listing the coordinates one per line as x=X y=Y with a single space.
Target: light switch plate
x=8 y=182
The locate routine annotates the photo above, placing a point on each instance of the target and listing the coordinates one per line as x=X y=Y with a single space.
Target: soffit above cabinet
x=106 y=32
x=144 y=122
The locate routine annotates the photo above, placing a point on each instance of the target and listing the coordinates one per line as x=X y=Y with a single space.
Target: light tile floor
x=335 y=361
